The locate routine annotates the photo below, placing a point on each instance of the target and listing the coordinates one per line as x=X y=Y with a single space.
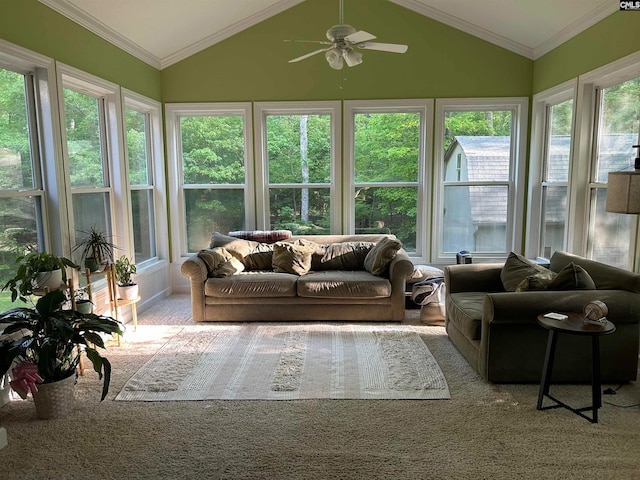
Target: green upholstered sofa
x=498 y=333
x=339 y=289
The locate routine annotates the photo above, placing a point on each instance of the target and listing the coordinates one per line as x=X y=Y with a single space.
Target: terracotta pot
x=55 y=399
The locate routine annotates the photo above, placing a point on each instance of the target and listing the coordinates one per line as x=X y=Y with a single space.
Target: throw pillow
x=219 y=262
x=292 y=258
x=379 y=257
x=516 y=269
x=572 y=277
x=537 y=281
x=345 y=256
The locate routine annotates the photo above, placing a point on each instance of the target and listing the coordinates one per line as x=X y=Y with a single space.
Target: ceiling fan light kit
x=344 y=39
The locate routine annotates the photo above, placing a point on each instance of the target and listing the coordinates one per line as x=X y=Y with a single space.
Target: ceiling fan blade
x=384 y=47
x=321 y=42
x=359 y=37
x=308 y=55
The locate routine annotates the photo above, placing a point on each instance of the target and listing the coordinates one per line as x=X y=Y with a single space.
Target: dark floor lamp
x=623 y=190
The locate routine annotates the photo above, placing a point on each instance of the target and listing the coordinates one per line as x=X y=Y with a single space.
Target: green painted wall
x=441 y=61
x=614 y=37
x=33 y=25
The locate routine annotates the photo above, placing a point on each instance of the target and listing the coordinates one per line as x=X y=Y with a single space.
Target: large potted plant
x=96 y=248
x=38 y=271
x=124 y=269
x=42 y=347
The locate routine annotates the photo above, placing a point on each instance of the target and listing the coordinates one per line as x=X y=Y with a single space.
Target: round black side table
x=573 y=325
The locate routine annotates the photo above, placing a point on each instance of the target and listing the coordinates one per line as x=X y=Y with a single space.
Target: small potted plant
x=82 y=300
x=96 y=248
x=127 y=288
x=38 y=271
x=42 y=347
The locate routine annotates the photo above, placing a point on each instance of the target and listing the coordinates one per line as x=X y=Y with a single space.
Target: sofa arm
x=476 y=277
x=194 y=268
x=399 y=269
x=524 y=307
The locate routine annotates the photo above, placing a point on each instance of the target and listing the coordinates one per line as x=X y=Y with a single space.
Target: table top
x=575 y=324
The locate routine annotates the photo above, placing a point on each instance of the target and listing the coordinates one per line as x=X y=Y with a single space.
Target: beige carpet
x=486 y=431
x=273 y=361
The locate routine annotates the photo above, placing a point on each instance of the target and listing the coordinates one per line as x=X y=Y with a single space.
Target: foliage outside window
x=386 y=166
x=213 y=176
x=20 y=181
x=86 y=150
x=141 y=184
x=299 y=172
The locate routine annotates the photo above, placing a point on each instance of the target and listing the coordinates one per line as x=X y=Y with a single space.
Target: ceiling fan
x=343 y=41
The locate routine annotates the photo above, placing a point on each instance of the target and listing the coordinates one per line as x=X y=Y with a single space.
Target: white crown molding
x=463 y=25
x=227 y=32
x=587 y=20
x=78 y=16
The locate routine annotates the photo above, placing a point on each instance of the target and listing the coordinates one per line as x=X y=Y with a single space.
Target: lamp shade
x=623 y=192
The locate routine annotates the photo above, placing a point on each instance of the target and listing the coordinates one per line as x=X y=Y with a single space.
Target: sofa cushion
x=341 y=256
x=537 y=281
x=252 y=284
x=379 y=257
x=516 y=269
x=572 y=277
x=343 y=284
x=465 y=311
x=294 y=258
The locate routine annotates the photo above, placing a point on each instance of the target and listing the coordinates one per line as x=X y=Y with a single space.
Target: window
x=298 y=167
x=386 y=158
x=617 y=129
x=26 y=152
x=21 y=193
x=551 y=153
x=144 y=146
x=210 y=154
x=480 y=196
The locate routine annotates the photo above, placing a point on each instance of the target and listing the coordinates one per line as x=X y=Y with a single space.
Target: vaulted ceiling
x=530 y=28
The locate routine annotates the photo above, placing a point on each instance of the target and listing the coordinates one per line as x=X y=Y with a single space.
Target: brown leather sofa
x=255 y=294
x=498 y=333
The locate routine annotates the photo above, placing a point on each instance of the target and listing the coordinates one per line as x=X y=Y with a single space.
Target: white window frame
x=261 y=110
x=539 y=135
x=424 y=107
x=155 y=157
x=173 y=112
x=108 y=94
x=517 y=178
x=584 y=156
x=48 y=157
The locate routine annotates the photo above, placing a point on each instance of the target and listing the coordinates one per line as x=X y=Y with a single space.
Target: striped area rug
x=273 y=361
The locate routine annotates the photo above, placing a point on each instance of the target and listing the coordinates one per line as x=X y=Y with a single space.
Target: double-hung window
x=617 y=130
x=479 y=176
x=386 y=151
x=143 y=146
x=209 y=149
x=296 y=168
x=551 y=153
